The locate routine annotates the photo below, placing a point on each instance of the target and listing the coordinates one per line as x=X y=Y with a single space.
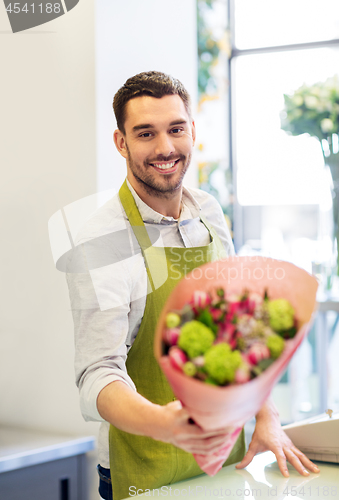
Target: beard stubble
x=149 y=184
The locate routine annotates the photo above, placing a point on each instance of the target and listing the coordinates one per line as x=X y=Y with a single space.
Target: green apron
x=140 y=461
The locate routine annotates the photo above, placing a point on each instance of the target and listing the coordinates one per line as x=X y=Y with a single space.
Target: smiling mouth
x=165 y=165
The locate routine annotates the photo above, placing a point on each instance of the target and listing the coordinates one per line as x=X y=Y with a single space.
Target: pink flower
x=242 y=374
x=177 y=357
x=239 y=304
x=257 y=353
x=171 y=335
x=200 y=299
x=227 y=332
x=216 y=314
x=235 y=308
x=255 y=300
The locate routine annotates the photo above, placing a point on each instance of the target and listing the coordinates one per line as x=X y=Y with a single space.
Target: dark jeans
x=105 y=485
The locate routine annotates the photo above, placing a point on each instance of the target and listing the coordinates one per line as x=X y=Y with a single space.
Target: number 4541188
x=49 y=8
x=309 y=491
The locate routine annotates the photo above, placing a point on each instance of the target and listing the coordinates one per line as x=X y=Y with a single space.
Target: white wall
x=52 y=95
x=131 y=37
x=48 y=159
x=47 y=103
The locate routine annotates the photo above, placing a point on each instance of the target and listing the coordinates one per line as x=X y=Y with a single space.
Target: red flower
x=227 y=332
x=257 y=353
x=200 y=299
x=171 y=335
x=177 y=357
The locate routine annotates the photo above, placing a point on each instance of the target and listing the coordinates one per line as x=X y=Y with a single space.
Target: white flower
x=322 y=105
x=316 y=91
x=326 y=125
x=296 y=113
x=297 y=100
x=311 y=101
x=246 y=324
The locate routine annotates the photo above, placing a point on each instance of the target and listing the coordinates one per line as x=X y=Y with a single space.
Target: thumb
x=176 y=405
x=247 y=459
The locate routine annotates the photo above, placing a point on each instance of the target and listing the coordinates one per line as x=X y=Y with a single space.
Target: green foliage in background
x=208 y=49
x=313 y=109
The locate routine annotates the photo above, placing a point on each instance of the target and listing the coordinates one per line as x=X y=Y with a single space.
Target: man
x=151 y=437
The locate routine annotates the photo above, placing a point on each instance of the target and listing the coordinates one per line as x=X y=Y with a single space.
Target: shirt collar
x=190 y=208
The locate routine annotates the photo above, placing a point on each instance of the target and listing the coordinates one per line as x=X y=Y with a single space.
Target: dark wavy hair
x=151 y=83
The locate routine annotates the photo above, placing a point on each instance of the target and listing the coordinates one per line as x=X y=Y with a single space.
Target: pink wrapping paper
x=232 y=406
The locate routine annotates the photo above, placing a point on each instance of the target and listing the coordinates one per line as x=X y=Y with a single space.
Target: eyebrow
x=149 y=125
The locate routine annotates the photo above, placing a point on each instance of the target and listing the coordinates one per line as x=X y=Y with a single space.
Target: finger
x=281 y=460
x=176 y=405
x=304 y=460
x=199 y=432
x=247 y=458
x=294 y=460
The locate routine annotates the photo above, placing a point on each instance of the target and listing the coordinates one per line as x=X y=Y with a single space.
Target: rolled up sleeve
x=101 y=337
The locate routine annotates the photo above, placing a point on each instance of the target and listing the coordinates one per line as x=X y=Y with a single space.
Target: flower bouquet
x=248 y=318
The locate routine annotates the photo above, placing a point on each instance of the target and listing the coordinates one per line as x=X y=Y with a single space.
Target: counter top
x=21 y=447
x=261 y=480
x=328 y=304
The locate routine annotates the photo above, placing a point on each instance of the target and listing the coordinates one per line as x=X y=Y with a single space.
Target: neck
x=165 y=203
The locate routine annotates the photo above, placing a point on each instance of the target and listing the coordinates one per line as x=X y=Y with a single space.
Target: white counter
x=22 y=447
x=42 y=466
x=262 y=480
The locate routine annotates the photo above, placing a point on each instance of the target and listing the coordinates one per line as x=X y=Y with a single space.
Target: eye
x=176 y=130
x=145 y=134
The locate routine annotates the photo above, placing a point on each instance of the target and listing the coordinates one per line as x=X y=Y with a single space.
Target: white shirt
x=108 y=300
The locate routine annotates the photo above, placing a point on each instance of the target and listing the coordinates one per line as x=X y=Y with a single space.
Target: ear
x=120 y=142
x=193 y=132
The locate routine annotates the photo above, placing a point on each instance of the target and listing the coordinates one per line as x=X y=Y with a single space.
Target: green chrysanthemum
x=221 y=363
x=276 y=345
x=281 y=314
x=195 y=338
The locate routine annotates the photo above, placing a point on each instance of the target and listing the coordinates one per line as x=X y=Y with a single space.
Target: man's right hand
x=129 y=411
x=175 y=427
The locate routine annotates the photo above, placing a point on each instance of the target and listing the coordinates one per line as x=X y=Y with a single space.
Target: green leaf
x=206 y=318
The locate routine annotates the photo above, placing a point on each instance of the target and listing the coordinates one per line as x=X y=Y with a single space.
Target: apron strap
x=139 y=229
x=209 y=228
x=134 y=217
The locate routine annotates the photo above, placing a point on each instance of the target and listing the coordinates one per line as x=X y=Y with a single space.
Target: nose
x=164 y=145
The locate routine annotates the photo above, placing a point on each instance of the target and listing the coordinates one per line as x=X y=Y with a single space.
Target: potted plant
x=314 y=110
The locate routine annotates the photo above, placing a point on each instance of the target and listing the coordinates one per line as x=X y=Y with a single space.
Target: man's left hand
x=269 y=436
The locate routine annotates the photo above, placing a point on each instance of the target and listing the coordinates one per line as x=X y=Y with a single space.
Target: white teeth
x=164 y=166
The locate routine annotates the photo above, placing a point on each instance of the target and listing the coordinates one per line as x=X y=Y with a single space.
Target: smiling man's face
x=157 y=144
